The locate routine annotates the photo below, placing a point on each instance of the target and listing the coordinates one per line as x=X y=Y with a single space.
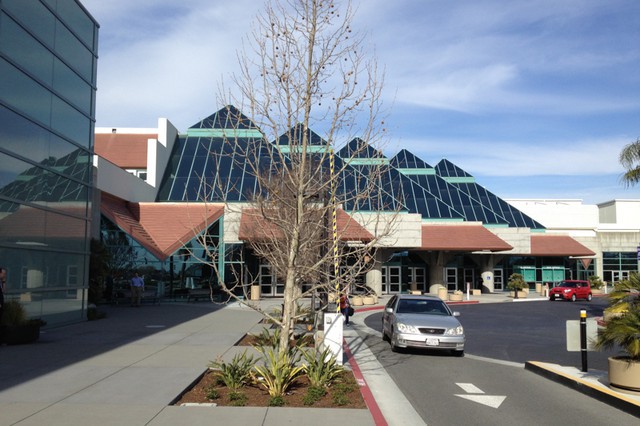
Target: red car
x=571 y=290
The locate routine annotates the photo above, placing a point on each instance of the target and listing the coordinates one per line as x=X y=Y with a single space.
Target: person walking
x=137 y=287
x=344 y=307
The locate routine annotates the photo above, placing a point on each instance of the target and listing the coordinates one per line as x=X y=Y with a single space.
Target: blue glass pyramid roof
x=467 y=184
x=425 y=176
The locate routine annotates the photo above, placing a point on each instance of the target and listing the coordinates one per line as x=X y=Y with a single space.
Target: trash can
x=255 y=292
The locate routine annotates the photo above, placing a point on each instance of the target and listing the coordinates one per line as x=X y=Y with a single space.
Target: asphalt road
x=489 y=386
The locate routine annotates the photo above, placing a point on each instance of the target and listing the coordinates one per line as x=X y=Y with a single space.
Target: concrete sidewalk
x=128 y=367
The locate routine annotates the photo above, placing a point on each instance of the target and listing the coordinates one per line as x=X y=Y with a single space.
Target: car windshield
x=430 y=307
x=566 y=284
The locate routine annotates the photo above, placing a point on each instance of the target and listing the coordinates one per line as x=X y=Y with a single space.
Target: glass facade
x=48 y=57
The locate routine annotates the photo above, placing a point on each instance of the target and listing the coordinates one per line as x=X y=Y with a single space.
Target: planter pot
x=357 y=301
x=539 y=288
x=20 y=334
x=623 y=374
x=476 y=292
x=255 y=292
x=521 y=294
x=596 y=291
x=368 y=300
x=442 y=293
x=455 y=297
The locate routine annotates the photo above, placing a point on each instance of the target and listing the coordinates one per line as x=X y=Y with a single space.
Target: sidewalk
x=127 y=368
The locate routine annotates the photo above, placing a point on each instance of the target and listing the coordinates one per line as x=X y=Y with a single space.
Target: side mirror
x=388 y=310
x=456 y=313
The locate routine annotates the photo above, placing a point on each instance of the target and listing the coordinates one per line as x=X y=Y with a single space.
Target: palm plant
x=630 y=160
x=623 y=329
x=279 y=370
x=237 y=373
x=321 y=368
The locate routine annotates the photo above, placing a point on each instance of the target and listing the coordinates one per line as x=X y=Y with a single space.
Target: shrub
x=211 y=392
x=314 y=394
x=276 y=401
x=321 y=367
x=623 y=329
x=13 y=313
x=516 y=282
x=279 y=370
x=237 y=399
x=236 y=373
x=596 y=282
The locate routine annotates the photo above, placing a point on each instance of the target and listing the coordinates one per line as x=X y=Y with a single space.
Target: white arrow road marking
x=493 y=401
x=469 y=388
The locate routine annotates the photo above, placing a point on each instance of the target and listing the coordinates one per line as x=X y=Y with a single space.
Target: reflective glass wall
x=48 y=56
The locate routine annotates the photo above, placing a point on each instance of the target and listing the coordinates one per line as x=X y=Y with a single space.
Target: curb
x=367 y=395
x=602 y=394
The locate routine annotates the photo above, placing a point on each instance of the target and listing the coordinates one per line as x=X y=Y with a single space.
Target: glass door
x=391 y=279
x=266 y=280
x=451 y=278
x=498 y=280
x=418 y=276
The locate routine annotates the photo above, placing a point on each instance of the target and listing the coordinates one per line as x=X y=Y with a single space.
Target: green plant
x=321 y=368
x=236 y=373
x=13 y=313
x=596 y=282
x=211 y=392
x=276 y=401
x=268 y=338
x=314 y=394
x=237 y=399
x=623 y=329
x=279 y=370
x=516 y=282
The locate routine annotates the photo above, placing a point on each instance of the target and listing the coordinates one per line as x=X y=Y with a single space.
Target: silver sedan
x=421 y=321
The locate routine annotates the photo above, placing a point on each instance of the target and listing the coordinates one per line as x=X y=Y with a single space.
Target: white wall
x=116 y=181
x=559 y=214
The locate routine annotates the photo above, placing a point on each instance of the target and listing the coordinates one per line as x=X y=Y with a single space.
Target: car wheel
x=573 y=297
x=392 y=340
x=459 y=354
x=551 y=299
x=589 y=297
x=385 y=338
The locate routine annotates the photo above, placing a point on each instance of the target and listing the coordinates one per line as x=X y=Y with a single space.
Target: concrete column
x=373 y=277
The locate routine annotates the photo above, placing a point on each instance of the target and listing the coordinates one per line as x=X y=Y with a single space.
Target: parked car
x=571 y=290
x=422 y=321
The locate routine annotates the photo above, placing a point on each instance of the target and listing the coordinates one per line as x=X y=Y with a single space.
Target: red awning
x=557 y=245
x=161 y=228
x=461 y=238
x=253 y=226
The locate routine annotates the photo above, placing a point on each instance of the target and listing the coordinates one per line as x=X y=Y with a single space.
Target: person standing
x=137 y=287
x=3 y=283
x=344 y=307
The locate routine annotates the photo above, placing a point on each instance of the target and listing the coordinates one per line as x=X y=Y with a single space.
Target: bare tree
x=304 y=67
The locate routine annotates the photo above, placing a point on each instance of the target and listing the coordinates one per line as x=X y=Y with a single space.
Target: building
x=48 y=56
x=451 y=231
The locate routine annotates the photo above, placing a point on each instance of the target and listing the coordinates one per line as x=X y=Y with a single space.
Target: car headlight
x=406 y=328
x=567 y=291
x=457 y=331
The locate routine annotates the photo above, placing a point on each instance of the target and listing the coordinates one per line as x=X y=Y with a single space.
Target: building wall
x=48 y=56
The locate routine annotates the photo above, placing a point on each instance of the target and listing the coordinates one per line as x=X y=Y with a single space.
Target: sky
x=534 y=98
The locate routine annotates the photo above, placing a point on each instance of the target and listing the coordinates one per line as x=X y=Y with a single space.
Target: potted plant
x=596 y=284
x=16 y=328
x=622 y=329
x=517 y=285
x=442 y=292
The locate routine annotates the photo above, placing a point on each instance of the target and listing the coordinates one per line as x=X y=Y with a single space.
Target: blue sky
x=535 y=98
